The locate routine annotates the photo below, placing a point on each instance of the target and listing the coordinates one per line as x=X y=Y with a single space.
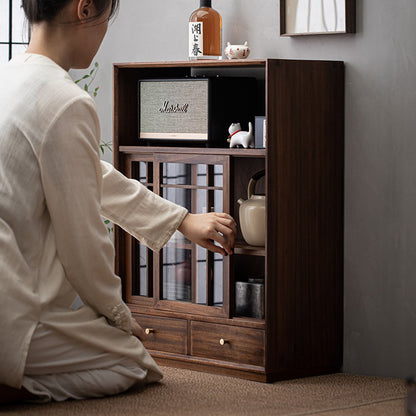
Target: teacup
x=237 y=51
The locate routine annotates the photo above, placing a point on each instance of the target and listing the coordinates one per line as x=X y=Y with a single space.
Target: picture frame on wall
x=316 y=17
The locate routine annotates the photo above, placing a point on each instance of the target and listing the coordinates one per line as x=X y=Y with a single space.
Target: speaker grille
x=173 y=109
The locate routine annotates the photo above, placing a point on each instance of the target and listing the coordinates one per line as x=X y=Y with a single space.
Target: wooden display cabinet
x=184 y=296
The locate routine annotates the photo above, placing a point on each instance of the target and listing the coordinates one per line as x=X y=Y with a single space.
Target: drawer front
x=164 y=334
x=227 y=343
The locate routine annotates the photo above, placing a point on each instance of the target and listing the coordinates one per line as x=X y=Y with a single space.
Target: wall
x=380 y=148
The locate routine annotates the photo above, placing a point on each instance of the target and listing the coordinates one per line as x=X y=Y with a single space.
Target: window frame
x=10 y=42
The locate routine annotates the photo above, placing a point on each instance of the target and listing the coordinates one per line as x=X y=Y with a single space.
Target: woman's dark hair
x=46 y=10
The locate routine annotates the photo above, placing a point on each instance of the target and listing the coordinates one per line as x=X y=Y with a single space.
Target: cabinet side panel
x=305 y=165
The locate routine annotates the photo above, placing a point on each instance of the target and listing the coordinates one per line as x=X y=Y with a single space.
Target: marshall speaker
x=194 y=111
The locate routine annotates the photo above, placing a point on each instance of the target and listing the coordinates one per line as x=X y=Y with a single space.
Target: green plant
x=104 y=145
x=89 y=79
x=109 y=225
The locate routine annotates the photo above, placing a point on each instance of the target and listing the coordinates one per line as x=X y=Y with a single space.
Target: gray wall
x=380 y=149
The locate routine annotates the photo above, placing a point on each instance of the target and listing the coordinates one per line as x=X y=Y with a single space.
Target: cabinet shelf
x=236 y=152
x=191 y=294
x=243 y=248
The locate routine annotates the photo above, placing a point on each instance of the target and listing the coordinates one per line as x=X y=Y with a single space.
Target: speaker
x=193 y=111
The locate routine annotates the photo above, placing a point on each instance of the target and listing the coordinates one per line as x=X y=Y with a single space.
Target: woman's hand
x=137 y=330
x=205 y=229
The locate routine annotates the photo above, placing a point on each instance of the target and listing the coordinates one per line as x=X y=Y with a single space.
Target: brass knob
x=149 y=331
x=224 y=341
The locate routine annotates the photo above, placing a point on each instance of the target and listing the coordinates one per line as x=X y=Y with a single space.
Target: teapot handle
x=252 y=183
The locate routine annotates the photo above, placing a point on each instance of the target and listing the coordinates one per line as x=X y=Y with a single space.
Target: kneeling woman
x=54 y=247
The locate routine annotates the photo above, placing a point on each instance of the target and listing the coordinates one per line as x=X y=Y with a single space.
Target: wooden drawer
x=227 y=343
x=165 y=334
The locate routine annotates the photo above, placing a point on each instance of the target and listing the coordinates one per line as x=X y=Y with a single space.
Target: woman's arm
x=143 y=214
x=153 y=220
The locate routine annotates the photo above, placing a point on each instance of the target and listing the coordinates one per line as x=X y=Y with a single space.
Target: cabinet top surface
x=197 y=63
x=260 y=63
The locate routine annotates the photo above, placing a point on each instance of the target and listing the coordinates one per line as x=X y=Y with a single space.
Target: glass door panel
x=143 y=172
x=218 y=267
x=177 y=273
x=140 y=282
x=180 y=196
x=189 y=273
x=141 y=257
x=201 y=275
x=176 y=174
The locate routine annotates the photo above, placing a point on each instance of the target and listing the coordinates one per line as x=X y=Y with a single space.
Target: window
x=14 y=29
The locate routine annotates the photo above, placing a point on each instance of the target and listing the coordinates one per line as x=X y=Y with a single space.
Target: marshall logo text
x=167 y=107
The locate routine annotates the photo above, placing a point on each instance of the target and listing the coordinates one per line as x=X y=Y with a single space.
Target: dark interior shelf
x=243 y=248
x=194 y=150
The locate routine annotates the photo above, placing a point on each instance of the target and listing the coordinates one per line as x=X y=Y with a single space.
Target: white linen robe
x=53 y=243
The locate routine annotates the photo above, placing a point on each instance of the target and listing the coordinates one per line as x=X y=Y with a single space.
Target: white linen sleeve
x=72 y=180
x=139 y=211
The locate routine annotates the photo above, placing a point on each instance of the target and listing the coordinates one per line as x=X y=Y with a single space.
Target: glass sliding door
x=189 y=273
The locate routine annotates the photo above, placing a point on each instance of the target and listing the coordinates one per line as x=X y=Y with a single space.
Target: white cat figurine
x=239 y=137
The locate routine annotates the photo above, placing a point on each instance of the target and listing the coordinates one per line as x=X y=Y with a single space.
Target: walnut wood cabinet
x=184 y=296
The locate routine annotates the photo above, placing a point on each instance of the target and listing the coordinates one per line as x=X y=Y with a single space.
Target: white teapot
x=237 y=51
x=253 y=214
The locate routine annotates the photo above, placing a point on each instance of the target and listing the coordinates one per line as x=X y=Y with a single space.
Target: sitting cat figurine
x=238 y=137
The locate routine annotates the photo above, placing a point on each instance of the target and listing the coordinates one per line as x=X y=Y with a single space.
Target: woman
x=54 y=246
